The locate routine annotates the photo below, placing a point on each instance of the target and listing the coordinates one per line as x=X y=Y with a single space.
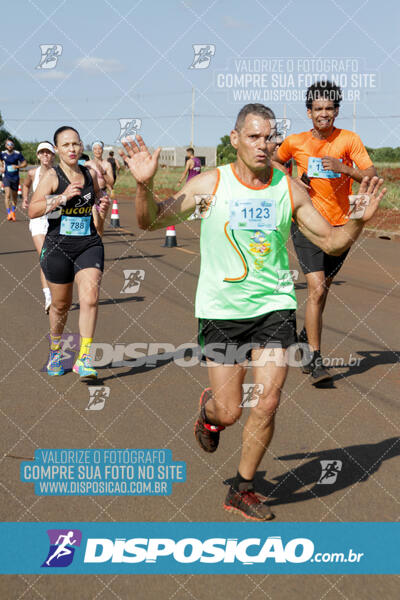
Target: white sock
x=47 y=294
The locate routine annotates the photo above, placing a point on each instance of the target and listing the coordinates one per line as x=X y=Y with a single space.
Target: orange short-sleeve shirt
x=329 y=196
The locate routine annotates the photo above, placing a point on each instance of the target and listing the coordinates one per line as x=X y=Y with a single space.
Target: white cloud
x=94 y=64
x=50 y=74
x=231 y=23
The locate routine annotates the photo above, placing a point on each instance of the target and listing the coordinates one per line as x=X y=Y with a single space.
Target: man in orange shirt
x=324 y=156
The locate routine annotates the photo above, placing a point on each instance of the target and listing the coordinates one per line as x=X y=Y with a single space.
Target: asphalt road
x=355 y=420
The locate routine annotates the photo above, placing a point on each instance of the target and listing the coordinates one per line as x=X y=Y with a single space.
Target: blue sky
x=131 y=59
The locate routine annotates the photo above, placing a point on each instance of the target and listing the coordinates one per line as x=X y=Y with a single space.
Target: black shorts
x=11 y=183
x=231 y=342
x=61 y=259
x=311 y=258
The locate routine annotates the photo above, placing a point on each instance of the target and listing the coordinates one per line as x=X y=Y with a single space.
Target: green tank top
x=245 y=271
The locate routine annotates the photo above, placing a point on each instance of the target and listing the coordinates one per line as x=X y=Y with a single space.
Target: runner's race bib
x=316 y=169
x=11 y=168
x=252 y=214
x=75 y=225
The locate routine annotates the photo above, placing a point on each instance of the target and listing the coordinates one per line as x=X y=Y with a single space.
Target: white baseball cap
x=45 y=146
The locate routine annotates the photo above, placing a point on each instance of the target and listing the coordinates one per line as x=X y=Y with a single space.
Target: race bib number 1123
x=252 y=214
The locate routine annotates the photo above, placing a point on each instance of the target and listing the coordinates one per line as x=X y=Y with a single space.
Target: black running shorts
x=11 y=183
x=230 y=342
x=311 y=258
x=61 y=259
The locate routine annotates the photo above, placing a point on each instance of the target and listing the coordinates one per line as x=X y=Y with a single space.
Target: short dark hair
x=253 y=109
x=61 y=129
x=111 y=153
x=190 y=150
x=323 y=90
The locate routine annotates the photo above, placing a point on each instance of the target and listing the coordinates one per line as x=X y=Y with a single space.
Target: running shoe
x=318 y=372
x=306 y=360
x=83 y=368
x=9 y=217
x=54 y=366
x=207 y=435
x=246 y=502
x=12 y=214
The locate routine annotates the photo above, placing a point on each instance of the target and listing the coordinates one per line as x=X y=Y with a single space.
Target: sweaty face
x=45 y=157
x=323 y=114
x=254 y=142
x=69 y=146
x=97 y=151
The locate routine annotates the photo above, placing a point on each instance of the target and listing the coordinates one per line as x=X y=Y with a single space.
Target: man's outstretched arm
x=334 y=240
x=152 y=212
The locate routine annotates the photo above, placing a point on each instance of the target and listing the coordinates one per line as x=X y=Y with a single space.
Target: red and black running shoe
x=206 y=434
x=247 y=502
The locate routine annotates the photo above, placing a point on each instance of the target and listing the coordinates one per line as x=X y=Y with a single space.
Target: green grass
x=165 y=178
x=168 y=178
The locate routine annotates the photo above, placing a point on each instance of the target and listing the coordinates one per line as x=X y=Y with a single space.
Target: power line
x=185 y=115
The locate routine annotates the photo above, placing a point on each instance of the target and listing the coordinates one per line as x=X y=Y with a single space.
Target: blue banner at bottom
x=199 y=548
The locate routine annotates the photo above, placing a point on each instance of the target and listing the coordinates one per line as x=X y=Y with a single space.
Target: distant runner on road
x=192 y=167
x=39 y=226
x=11 y=162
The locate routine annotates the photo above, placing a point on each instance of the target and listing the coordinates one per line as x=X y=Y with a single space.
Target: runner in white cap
x=102 y=167
x=38 y=227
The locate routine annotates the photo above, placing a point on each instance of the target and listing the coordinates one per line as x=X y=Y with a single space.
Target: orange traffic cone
x=170 y=237
x=19 y=190
x=115 y=214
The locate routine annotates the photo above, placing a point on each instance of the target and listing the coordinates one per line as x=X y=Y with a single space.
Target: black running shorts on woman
x=72 y=242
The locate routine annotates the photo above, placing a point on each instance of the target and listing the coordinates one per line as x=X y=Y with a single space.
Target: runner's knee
x=317 y=293
x=89 y=297
x=60 y=306
x=267 y=404
x=228 y=416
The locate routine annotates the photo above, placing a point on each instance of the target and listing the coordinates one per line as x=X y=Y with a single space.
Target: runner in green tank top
x=244 y=303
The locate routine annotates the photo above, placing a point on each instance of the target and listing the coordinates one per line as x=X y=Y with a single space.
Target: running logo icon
x=282 y=128
x=50 y=55
x=203 y=54
x=204 y=202
x=286 y=278
x=98 y=395
x=251 y=394
x=69 y=347
x=63 y=543
x=133 y=279
x=330 y=470
x=128 y=127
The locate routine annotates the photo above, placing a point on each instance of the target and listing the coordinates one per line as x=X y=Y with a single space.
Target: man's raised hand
x=137 y=157
x=373 y=188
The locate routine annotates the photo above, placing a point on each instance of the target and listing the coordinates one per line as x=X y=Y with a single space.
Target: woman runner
x=76 y=208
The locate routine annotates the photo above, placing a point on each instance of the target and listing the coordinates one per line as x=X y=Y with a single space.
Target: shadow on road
x=143 y=365
x=358 y=464
x=303 y=284
x=369 y=360
x=119 y=233
x=118 y=258
x=75 y=305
